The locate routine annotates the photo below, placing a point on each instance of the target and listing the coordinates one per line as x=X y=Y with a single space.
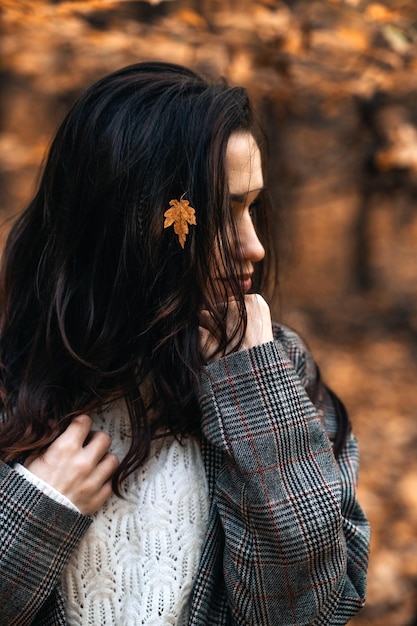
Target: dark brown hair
x=98 y=301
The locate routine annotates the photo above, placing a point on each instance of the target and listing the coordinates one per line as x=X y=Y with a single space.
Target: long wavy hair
x=98 y=301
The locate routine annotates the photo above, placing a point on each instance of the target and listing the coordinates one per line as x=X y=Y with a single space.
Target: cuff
x=45 y=487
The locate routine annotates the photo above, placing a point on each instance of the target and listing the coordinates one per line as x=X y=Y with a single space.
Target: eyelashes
x=239 y=207
x=254 y=206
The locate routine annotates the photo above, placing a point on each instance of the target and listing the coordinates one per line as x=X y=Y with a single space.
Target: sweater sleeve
x=296 y=539
x=37 y=536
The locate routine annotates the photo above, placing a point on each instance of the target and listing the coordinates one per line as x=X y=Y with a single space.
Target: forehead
x=243 y=164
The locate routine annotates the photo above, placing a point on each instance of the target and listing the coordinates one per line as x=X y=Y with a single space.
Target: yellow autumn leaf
x=180 y=214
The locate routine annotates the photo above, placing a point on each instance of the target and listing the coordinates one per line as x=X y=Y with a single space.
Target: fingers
x=97 y=486
x=258 y=329
x=91 y=504
x=106 y=468
x=79 y=465
x=79 y=429
x=97 y=445
x=78 y=435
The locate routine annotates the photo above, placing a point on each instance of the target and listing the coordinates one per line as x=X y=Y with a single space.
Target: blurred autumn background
x=336 y=81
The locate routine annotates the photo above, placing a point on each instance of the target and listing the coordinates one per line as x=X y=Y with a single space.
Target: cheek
x=217 y=260
x=222 y=264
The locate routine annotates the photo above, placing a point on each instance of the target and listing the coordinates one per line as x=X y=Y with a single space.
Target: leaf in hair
x=181 y=214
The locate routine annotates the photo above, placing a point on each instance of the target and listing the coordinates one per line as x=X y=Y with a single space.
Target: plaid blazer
x=287 y=542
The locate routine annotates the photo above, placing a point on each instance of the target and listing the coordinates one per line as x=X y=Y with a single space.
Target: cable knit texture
x=138 y=561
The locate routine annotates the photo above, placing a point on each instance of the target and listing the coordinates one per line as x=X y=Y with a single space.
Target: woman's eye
x=253 y=206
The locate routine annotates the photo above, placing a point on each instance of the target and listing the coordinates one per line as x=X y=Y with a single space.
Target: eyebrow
x=236 y=197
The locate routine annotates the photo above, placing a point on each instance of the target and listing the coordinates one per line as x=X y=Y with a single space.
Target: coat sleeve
x=296 y=539
x=37 y=536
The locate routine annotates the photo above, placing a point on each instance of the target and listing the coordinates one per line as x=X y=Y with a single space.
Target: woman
x=169 y=455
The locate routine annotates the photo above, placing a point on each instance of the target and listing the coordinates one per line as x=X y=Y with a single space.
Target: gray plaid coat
x=287 y=543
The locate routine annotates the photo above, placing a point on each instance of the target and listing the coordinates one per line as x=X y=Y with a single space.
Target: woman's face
x=244 y=175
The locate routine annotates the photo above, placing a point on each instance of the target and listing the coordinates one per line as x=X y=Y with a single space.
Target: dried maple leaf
x=180 y=214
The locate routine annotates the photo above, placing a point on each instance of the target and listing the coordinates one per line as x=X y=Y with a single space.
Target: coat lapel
x=209 y=601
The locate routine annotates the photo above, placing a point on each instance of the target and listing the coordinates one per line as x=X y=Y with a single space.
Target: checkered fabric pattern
x=37 y=536
x=286 y=544
x=292 y=541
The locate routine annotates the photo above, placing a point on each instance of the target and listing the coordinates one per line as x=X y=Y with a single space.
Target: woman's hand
x=258 y=330
x=78 y=465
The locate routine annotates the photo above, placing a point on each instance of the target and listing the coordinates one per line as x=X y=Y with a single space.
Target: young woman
x=169 y=456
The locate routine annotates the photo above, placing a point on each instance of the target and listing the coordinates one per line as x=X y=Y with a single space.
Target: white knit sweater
x=138 y=561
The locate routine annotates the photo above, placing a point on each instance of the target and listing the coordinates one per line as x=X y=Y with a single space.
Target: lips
x=246 y=282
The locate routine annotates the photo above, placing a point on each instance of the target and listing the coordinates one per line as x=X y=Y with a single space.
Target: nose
x=251 y=248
